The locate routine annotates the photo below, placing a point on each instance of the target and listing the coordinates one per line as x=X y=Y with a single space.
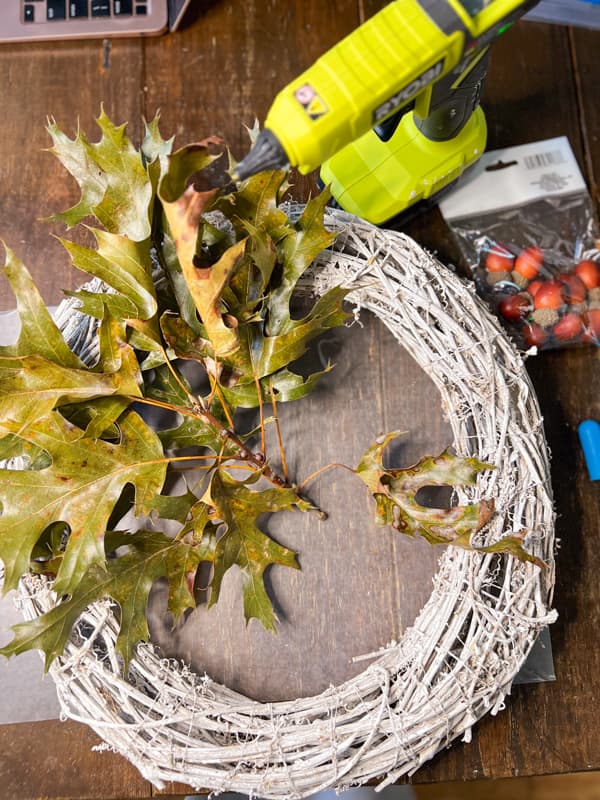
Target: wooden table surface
x=215 y=75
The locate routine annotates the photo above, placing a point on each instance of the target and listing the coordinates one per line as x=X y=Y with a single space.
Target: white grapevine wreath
x=457 y=661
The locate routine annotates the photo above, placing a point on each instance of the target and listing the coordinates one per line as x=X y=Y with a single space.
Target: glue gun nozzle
x=267 y=153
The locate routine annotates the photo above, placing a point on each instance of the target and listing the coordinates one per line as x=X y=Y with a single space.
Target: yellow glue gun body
x=391 y=113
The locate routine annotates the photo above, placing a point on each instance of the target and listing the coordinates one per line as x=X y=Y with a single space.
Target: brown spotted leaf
x=79 y=488
x=185 y=200
x=395 y=495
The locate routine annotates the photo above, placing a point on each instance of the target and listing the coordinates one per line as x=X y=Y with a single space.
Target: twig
x=261 y=411
x=243 y=453
x=318 y=472
x=278 y=429
x=215 y=388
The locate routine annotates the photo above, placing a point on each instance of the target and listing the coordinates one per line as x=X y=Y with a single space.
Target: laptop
x=38 y=20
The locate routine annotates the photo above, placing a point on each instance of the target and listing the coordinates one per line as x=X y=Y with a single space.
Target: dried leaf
x=395 y=490
x=184 y=205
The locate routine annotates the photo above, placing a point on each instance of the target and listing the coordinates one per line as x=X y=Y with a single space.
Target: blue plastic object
x=589 y=436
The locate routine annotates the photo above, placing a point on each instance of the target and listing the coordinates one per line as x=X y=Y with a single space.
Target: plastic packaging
x=525 y=226
x=583 y=13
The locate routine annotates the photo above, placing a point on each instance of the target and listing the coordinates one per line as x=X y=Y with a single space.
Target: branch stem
x=278 y=429
x=320 y=471
x=243 y=453
x=219 y=392
x=261 y=412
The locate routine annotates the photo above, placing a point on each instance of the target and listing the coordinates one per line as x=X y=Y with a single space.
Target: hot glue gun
x=391 y=113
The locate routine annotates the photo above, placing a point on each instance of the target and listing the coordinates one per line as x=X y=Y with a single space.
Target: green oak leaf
x=201 y=529
x=115 y=186
x=259 y=357
x=186 y=341
x=194 y=430
x=39 y=334
x=12 y=446
x=276 y=352
x=286 y=386
x=266 y=358
x=79 y=488
x=181 y=291
x=154 y=147
x=98 y=416
x=127 y=579
x=395 y=490
x=31 y=386
x=251 y=279
x=257 y=202
x=122 y=263
x=296 y=251
x=177 y=507
x=244 y=544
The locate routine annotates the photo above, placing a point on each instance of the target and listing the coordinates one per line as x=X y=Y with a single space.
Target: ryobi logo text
x=310 y=101
x=398 y=99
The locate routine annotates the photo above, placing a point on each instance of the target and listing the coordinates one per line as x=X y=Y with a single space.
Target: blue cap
x=589 y=436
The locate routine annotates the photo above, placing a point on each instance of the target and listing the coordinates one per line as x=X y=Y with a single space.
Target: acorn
x=521 y=281
x=529 y=262
x=568 y=327
x=495 y=277
x=594 y=297
x=545 y=317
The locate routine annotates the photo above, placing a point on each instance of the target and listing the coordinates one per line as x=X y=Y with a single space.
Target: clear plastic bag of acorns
x=526 y=228
x=545 y=298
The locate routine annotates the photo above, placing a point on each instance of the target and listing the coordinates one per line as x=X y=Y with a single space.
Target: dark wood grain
x=584 y=45
x=55 y=760
x=217 y=74
x=67 y=82
x=223 y=73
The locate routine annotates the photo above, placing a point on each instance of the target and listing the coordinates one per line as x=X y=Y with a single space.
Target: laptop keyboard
x=53 y=10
